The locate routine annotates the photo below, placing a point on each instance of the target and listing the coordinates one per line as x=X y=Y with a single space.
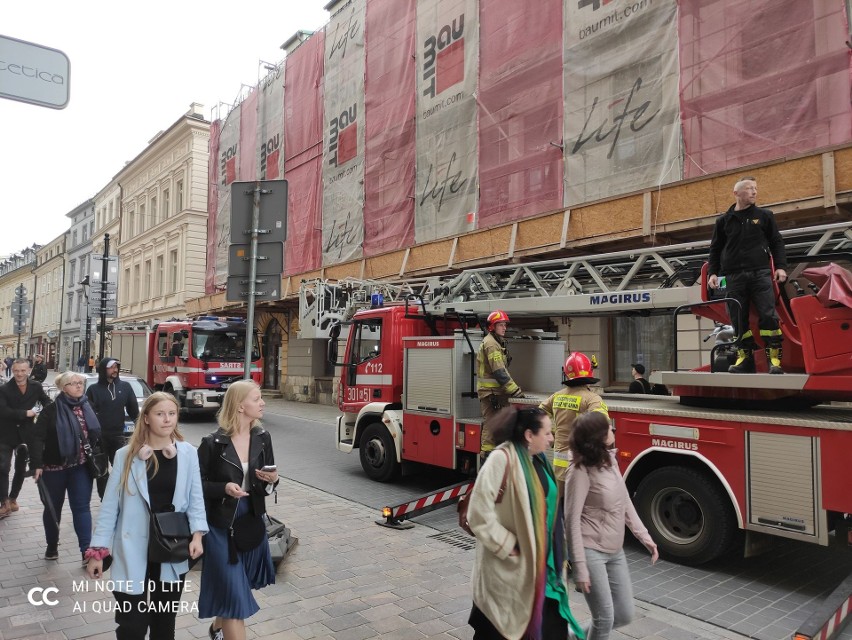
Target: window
x=160 y=275
x=179 y=196
x=367 y=343
x=146 y=283
x=173 y=271
x=143 y=223
x=125 y=293
x=646 y=340
x=111 y=209
x=70 y=297
x=130 y=227
x=166 y=203
x=154 y=213
x=91 y=228
x=74 y=238
x=163 y=344
x=73 y=279
x=136 y=287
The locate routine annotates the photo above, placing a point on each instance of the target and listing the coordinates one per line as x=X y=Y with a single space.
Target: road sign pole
x=255 y=223
x=104 y=278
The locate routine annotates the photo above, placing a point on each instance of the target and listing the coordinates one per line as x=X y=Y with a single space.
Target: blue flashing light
x=377 y=299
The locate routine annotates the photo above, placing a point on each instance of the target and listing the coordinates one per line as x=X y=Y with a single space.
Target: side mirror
x=331 y=351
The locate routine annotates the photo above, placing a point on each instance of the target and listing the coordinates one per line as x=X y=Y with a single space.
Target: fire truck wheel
x=687 y=514
x=378 y=454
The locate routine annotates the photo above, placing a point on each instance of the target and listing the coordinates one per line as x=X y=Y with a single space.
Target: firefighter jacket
x=563 y=407
x=492 y=372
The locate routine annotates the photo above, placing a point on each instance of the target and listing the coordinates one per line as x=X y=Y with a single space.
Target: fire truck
x=729 y=458
x=196 y=360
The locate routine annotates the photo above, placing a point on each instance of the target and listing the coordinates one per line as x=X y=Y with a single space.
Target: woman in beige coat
x=517 y=590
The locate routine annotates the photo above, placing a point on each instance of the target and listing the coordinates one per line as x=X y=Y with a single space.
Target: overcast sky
x=135 y=69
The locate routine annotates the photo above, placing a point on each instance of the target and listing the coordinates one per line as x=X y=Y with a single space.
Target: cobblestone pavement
x=346 y=579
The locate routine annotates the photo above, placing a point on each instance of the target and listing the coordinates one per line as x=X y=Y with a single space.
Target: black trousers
x=111 y=442
x=753 y=287
x=21 y=456
x=155 y=609
x=553 y=625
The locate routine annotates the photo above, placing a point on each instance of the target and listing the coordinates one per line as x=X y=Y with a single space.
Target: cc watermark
x=39 y=596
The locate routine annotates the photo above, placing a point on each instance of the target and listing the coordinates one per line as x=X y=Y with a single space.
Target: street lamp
x=85 y=283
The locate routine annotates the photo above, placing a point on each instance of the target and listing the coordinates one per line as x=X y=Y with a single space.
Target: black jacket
x=743 y=241
x=15 y=426
x=640 y=385
x=44 y=448
x=220 y=465
x=110 y=399
x=39 y=372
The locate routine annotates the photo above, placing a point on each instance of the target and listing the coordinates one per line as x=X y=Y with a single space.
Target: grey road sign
x=20 y=309
x=96 y=277
x=265 y=288
x=270 y=259
x=34 y=73
x=96 y=308
x=273 y=210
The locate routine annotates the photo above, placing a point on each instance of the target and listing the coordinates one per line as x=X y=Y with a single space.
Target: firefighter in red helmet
x=494 y=385
x=565 y=405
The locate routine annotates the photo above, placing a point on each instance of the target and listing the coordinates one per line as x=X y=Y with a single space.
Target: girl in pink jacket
x=597 y=506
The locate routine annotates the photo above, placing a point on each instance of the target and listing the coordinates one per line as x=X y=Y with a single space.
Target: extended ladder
x=639 y=279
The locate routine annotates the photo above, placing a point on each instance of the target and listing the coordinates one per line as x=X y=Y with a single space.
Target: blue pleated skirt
x=226 y=588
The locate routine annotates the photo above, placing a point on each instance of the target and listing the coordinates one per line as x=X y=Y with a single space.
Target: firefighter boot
x=744 y=363
x=773 y=359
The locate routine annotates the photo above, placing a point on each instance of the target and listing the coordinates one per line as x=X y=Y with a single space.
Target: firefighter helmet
x=496 y=316
x=578 y=367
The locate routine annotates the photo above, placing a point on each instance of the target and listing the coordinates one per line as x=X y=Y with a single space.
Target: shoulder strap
x=502 y=490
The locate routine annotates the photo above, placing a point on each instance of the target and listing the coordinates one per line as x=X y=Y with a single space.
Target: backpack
x=464 y=501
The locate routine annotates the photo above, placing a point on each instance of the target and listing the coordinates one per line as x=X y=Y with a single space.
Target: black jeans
x=156 y=608
x=111 y=442
x=21 y=457
x=553 y=625
x=753 y=287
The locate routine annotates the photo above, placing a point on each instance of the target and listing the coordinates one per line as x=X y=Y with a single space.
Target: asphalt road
x=766 y=597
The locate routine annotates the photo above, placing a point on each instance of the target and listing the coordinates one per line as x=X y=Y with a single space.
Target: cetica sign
x=33 y=73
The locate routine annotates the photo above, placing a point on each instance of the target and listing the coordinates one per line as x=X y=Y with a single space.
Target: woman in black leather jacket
x=237 y=473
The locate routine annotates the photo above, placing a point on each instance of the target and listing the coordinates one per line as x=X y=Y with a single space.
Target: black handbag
x=97 y=460
x=168 y=536
x=245 y=533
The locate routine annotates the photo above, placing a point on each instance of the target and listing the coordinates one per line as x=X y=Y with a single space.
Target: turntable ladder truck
x=698 y=474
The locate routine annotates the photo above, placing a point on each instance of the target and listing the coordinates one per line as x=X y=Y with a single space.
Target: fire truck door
x=367 y=379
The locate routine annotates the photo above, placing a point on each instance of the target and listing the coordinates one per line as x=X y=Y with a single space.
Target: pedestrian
x=639 y=383
x=21 y=399
x=91 y=364
x=59 y=461
x=237 y=473
x=9 y=362
x=745 y=248
x=156 y=471
x=518 y=591
x=3 y=371
x=563 y=407
x=597 y=507
x=81 y=363
x=114 y=402
x=494 y=385
x=39 y=369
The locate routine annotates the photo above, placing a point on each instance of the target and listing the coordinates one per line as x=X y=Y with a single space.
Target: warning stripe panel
x=435 y=498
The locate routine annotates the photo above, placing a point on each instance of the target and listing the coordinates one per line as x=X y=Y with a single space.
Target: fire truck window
x=221 y=345
x=368 y=340
x=163 y=344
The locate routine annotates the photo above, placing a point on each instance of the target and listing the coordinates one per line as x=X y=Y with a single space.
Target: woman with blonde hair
x=237 y=472
x=156 y=471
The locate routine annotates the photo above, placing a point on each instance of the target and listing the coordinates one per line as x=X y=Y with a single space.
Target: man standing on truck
x=565 y=405
x=110 y=398
x=494 y=385
x=744 y=239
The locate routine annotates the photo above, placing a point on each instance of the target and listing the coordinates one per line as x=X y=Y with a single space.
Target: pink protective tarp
x=761 y=80
x=303 y=116
x=212 y=205
x=835 y=284
x=389 y=162
x=520 y=109
x=248 y=137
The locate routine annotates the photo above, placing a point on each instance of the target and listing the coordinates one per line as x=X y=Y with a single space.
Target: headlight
x=198 y=399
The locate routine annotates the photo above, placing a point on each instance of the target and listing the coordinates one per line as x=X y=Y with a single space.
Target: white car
x=140 y=389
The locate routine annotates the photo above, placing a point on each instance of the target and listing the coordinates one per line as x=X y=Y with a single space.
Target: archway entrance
x=271 y=349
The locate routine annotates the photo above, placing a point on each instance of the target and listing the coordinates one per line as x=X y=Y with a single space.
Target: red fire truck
x=699 y=474
x=196 y=360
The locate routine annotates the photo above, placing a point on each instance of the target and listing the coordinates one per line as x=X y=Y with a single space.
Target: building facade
x=75 y=308
x=16 y=270
x=48 y=301
x=162 y=236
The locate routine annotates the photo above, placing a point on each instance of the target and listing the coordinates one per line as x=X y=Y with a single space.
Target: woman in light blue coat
x=157 y=469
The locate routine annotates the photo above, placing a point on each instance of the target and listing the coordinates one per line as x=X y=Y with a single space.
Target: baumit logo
x=343 y=137
x=228 y=164
x=443 y=58
x=594 y=4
